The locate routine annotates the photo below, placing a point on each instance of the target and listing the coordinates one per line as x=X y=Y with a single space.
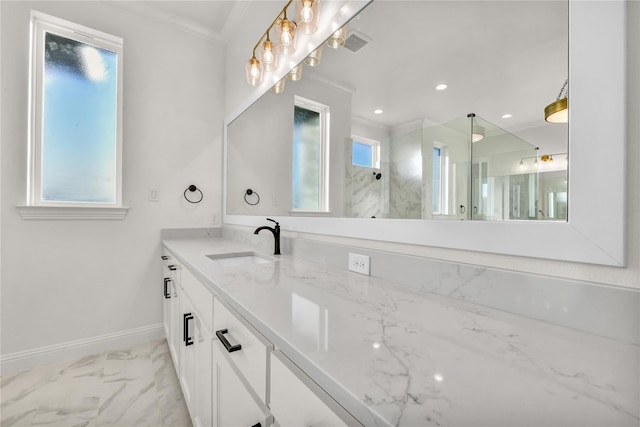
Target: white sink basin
x=238 y=259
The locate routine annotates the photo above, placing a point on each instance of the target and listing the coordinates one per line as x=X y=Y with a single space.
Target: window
x=365 y=152
x=310 y=156
x=440 y=180
x=75 y=141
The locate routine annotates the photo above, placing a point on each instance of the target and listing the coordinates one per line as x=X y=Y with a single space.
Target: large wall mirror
x=478 y=153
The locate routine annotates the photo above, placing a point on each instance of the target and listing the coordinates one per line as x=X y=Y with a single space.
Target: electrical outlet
x=359 y=263
x=214 y=219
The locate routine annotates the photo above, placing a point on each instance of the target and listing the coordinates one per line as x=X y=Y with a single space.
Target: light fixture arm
x=566 y=93
x=283 y=14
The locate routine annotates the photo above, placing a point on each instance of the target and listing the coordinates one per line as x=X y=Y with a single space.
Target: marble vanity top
x=394 y=356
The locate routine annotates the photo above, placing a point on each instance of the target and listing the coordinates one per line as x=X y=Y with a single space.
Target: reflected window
x=440 y=180
x=365 y=152
x=310 y=155
x=76 y=138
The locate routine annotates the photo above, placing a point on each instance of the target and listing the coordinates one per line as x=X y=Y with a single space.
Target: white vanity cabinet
x=227 y=369
x=296 y=400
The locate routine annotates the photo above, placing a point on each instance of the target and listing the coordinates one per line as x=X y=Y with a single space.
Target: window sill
x=72 y=212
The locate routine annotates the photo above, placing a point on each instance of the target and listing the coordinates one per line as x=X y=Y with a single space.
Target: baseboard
x=19 y=361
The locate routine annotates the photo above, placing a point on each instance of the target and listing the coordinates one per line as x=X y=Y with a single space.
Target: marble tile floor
x=133 y=387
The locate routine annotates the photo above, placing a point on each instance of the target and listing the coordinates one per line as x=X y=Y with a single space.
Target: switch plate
x=359 y=263
x=154 y=196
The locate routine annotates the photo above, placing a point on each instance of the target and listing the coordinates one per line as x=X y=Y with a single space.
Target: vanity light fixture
x=544 y=159
x=558 y=111
x=309 y=13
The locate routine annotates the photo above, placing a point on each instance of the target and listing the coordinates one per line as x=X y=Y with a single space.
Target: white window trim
x=323 y=110
x=375 y=150
x=35 y=208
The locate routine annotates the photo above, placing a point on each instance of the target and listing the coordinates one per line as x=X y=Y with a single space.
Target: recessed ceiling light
x=441 y=86
x=507 y=116
x=378 y=111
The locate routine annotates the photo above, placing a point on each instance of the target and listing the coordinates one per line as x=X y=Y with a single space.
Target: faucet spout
x=276 y=235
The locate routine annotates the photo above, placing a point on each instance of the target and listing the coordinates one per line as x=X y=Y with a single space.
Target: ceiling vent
x=356 y=41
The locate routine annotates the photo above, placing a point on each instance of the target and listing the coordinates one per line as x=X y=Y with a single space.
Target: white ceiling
x=496 y=56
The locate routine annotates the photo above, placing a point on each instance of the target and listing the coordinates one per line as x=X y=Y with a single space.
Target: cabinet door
x=233 y=404
x=175 y=325
x=188 y=354
x=203 y=416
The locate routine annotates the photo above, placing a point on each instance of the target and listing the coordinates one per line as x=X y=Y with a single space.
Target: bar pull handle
x=185 y=331
x=164 y=257
x=172 y=267
x=167 y=295
x=227 y=345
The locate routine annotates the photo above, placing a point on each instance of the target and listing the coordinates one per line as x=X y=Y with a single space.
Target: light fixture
x=558 y=111
x=308 y=14
x=268 y=55
x=544 y=159
x=253 y=70
x=477 y=131
x=507 y=116
x=296 y=73
x=338 y=38
x=378 y=111
x=267 y=59
x=314 y=57
x=279 y=86
x=442 y=86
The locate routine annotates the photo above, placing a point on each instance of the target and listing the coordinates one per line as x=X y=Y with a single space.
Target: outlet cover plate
x=359 y=263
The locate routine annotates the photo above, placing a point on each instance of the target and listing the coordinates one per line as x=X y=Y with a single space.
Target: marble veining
x=397 y=356
x=126 y=388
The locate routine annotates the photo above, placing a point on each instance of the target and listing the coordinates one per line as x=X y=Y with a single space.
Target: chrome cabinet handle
x=227 y=345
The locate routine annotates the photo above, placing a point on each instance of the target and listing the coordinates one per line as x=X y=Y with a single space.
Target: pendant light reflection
x=279 y=87
x=314 y=57
x=338 y=38
x=296 y=73
x=558 y=111
x=478 y=133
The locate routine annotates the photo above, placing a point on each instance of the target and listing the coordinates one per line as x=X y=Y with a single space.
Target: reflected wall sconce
x=544 y=159
x=558 y=111
x=338 y=38
x=308 y=12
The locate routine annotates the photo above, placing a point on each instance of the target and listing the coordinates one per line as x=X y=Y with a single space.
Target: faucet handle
x=273 y=220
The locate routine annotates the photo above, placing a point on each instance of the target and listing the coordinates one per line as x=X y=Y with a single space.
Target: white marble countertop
x=393 y=356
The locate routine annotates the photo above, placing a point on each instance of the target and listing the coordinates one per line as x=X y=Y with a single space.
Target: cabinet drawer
x=252 y=358
x=200 y=296
x=172 y=265
x=298 y=401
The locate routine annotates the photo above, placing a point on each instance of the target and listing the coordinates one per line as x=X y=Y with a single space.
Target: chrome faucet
x=276 y=235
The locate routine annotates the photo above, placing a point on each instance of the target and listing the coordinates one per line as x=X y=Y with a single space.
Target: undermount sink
x=237 y=259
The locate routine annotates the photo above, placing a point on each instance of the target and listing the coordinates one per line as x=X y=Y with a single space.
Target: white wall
x=628 y=276
x=70 y=280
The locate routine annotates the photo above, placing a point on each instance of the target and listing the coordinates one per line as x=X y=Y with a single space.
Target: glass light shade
x=253 y=70
x=314 y=57
x=338 y=38
x=557 y=112
x=296 y=73
x=268 y=56
x=308 y=13
x=477 y=134
x=279 y=87
x=287 y=37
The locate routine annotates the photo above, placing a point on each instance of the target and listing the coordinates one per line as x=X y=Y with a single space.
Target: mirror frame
x=597 y=167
